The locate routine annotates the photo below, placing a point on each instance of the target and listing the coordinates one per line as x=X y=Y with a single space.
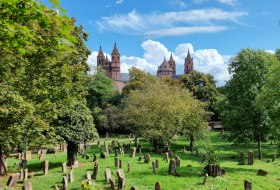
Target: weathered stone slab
x=154 y=168
x=250 y=158
x=112 y=183
x=147 y=158
x=166 y=157
x=43 y=154
x=65 y=183
x=241 y=159
x=205 y=179
x=128 y=167
x=71 y=176
x=88 y=175
x=64 y=167
x=121 y=179
x=120 y=164
x=116 y=159
x=157 y=163
x=140 y=158
x=27 y=185
x=95 y=170
x=132 y=152
x=13 y=179
x=28 y=155
x=262 y=172
x=107 y=174
x=247 y=185
x=157 y=186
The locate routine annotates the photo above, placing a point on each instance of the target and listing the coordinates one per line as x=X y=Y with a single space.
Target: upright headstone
x=76 y=164
x=95 y=170
x=157 y=186
x=140 y=149
x=112 y=184
x=241 y=159
x=250 y=158
x=106 y=148
x=166 y=157
x=247 y=185
x=88 y=175
x=12 y=181
x=147 y=158
x=64 y=168
x=178 y=162
x=140 y=158
x=65 y=183
x=205 y=179
x=98 y=144
x=154 y=168
x=120 y=164
x=172 y=167
x=128 y=167
x=156 y=163
x=107 y=174
x=132 y=152
x=46 y=167
x=121 y=179
x=71 y=176
x=24 y=163
x=25 y=174
x=21 y=176
x=116 y=162
x=27 y=185
x=43 y=154
x=28 y=155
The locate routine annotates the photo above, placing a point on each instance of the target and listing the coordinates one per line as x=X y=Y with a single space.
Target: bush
x=208 y=153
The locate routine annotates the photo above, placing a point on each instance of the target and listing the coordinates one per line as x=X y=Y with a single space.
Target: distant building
x=168 y=68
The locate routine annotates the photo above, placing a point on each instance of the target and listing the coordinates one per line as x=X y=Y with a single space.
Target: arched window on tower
x=112 y=57
x=118 y=57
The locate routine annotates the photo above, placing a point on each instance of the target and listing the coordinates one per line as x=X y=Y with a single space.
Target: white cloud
x=170 y=23
x=119 y=1
x=228 y=2
x=270 y=51
x=205 y=60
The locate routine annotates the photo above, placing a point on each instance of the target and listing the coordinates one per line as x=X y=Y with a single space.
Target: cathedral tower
x=173 y=65
x=115 y=64
x=188 y=64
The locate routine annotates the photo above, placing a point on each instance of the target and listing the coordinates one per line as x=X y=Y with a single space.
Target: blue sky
x=146 y=31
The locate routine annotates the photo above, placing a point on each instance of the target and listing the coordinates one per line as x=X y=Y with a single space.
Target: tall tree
x=241 y=116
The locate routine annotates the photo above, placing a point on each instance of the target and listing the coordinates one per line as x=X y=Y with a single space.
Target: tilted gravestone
x=107 y=174
x=205 y=179
x=262 y=172
x=172 y=168
x=95 y=170
x=247 y=185
x=132 y=152
x=250 y=158
x=157 y=186
x=65 y=183
x=46 y=167
x=178 y=161
x=27 y=185
x=12 y=181
x=116 y=159
x=121 y=179
x=147 y=158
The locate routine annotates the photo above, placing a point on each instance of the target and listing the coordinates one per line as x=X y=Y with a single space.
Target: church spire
x=189 y=55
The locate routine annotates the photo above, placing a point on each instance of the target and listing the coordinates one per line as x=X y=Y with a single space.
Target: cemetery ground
x=141 y=174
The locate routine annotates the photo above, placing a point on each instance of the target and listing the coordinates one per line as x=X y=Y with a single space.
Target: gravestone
x=88 y=175
x=166 y=157
x=121 y=151
x=133 y=188
x=103 y=155
x=24 y=163
x=71 y=176
x=241 y=159
x=28 y=155
x=21 y=176
x=132 y=152
x=64 y=168
x=172 y=168
x=157 y=186
x=55 y=187
x=147 y=158
x=205 y=179
x=273 y=158
x=112 y=184
x=121 y=179
x=128 y=167
x=94 y=157
x=250 y=158
x=95 y=170
x=46 y=167
x=140 y=158
x=19 y=156
x=106 y=148
x=107 y=174
x=247 y=185
x=98 y=144
x=116 y=152
x=25 y=174
x=214 y=170
x=65 y=183
x=154 y=168
x=177 y=159
x=76 y=164
x=27 y=185
x=262 y=172
x=140 y=149
x=120 y=164
x=12 y=181
x=43 y=154
x=87 y=156
x=116 y=162
x=156 y=163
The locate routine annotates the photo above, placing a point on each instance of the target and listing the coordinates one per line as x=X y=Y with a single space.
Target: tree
x=43 y=64
x=241 y=116
x=158 y=111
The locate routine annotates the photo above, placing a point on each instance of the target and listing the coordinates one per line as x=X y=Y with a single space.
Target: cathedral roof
x=165 y=66
x=115 y=50
x=171 y=58
x=189 y=55
x=100 y=53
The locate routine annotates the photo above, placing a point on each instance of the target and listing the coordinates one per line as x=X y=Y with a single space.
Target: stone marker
x=64 y=168
x=177 y=159
x=19 y=156
x=95 y=170
x=250 y=158
x=112 y=184
x=94 y=157
x=46 y=167
x=65 y=183
x=87 y=156
x=43 y=154
x=205 y=179
x=273 y=158
x=241 y=159
x=172 y=168
x=21 y=176
x=140 y=158
x=106 y=148
x=116 y=162
x=76 y=164
x=147 y=158
x=28 y=155
x=24 y=163
x=128 y=167
x=157 y=186
x=103 y=155
x=107 y=174
x=120 y=164
x=132 y=152
x=214 y=170
x=156 y=163
x=12 y=181
x=71 y=176
x=133 y=188
x=247 y=185
x=98 y=144
x=27 y=185
x=166 y=157
x=121 y=179
x=262 y=172
x=154 y=168
x=88 y=175
x=25 y=174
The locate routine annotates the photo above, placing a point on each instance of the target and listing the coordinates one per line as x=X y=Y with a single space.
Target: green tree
x=158 y=111
x=241 y=116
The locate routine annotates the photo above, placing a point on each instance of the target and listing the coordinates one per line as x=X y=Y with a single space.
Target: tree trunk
x=72 y=151
x=3 y=164
x=260 y=148
x=192 y=143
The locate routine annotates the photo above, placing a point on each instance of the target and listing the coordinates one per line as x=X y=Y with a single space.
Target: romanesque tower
x=115 y=64
x=166 y=69
x=188 y=64
x=173 y=65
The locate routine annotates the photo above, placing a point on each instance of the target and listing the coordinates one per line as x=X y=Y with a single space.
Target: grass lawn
x=141 y=175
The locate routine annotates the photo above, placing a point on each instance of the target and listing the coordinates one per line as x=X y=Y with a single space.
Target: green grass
x=141 y=175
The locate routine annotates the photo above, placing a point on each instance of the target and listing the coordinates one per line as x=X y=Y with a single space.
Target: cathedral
x=168 y=68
